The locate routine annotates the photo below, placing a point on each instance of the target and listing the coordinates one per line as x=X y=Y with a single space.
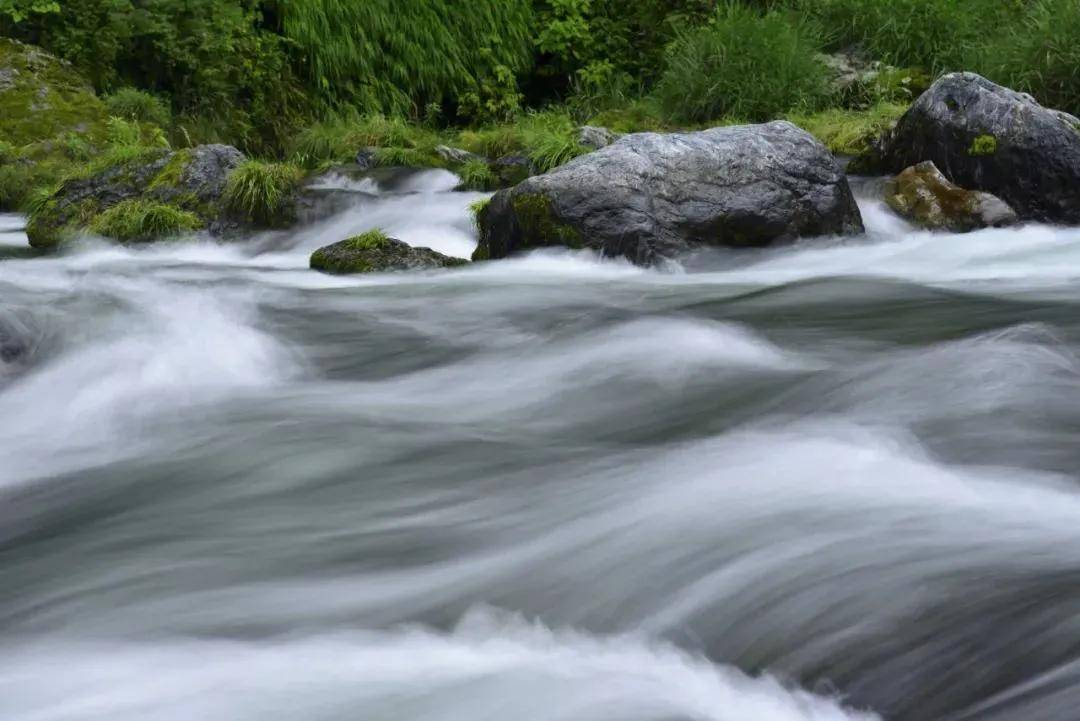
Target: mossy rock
x=374 y=252
x=514 y=220
x=42 y=97
x=924 y=196
x=176 y=191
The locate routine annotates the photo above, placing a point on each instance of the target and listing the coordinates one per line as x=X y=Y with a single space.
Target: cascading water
x=829 y=481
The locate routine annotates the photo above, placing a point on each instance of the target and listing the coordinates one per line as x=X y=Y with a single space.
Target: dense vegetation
x=316 y=81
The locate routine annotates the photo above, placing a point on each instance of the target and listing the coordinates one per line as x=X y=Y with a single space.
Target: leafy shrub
x=744 y=64
x=139 y=106
x=143 y=220
x=263 y=192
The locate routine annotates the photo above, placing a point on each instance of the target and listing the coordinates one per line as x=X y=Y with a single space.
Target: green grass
x=850 y=132
x=939 y=35
x=1039 y=54
x=743 y=64
x=340 y=137
x=138 y=106
x=143 y=220
x=477 y=175
x=263 y=192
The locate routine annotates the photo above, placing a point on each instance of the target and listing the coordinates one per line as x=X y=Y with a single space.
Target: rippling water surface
x=831 y=481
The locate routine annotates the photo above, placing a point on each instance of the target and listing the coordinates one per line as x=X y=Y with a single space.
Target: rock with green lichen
x=190 y=182
x=374 y=252
x=651 y=196
x=42 y=97
x=924 y=196
x=987 y=137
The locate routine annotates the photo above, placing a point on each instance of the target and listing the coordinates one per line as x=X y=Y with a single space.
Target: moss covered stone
x=375 y=252
x=540 y=224
x=42 y=97
x=165 y=192
x=924 y=196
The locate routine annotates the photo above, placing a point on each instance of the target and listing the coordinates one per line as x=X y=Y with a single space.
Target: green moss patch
x=540 y=224
x=983 y=145
x=850 y=132
x=42 y=97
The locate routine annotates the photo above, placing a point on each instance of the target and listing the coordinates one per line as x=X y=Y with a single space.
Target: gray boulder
x=990 y=138
x=926 y=197
x=374 y=252
x=190 y=180
x=651 y=196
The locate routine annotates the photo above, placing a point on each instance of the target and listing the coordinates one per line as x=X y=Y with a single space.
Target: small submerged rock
x=374 y=252
x=924 y=196
x=652 y=196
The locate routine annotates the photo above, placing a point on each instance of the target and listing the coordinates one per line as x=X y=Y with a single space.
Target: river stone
x=457 y=156
x=987 y=137
x=651 y=196
x=190 y=179
x=924 y=196
x=376 y=253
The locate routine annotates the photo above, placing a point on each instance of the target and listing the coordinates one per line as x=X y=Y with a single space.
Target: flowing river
x=833 y=481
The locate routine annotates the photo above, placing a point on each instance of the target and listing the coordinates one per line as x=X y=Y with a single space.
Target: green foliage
x=396 y=57
x=593 y=46
x=743 y=64
x=936 y=34
x=1041 y=54
x=139 y=106
x=550 y=139
x=476 y=208
x=143 y=220
x=341 y=137
x=19 y=10
x=214 y=59
x=477 y=175
x=850 y=132
x=263 y=192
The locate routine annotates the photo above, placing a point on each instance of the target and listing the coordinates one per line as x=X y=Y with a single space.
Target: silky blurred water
x=830 y=481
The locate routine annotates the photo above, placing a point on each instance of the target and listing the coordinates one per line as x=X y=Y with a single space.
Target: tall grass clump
x=744 y=64
x=143 y=220
x=938 y=35
x=340 y=136
x=1041 y=54
x=397 y=57
x=263 y=192
x=140 y=106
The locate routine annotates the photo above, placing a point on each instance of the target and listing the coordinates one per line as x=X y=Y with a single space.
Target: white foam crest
x=180 y=349
x=493 y=667
x=340 y=181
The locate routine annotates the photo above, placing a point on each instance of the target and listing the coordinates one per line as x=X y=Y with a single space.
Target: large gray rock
x=652 y=196
x=986 y=137
x=926 y=197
